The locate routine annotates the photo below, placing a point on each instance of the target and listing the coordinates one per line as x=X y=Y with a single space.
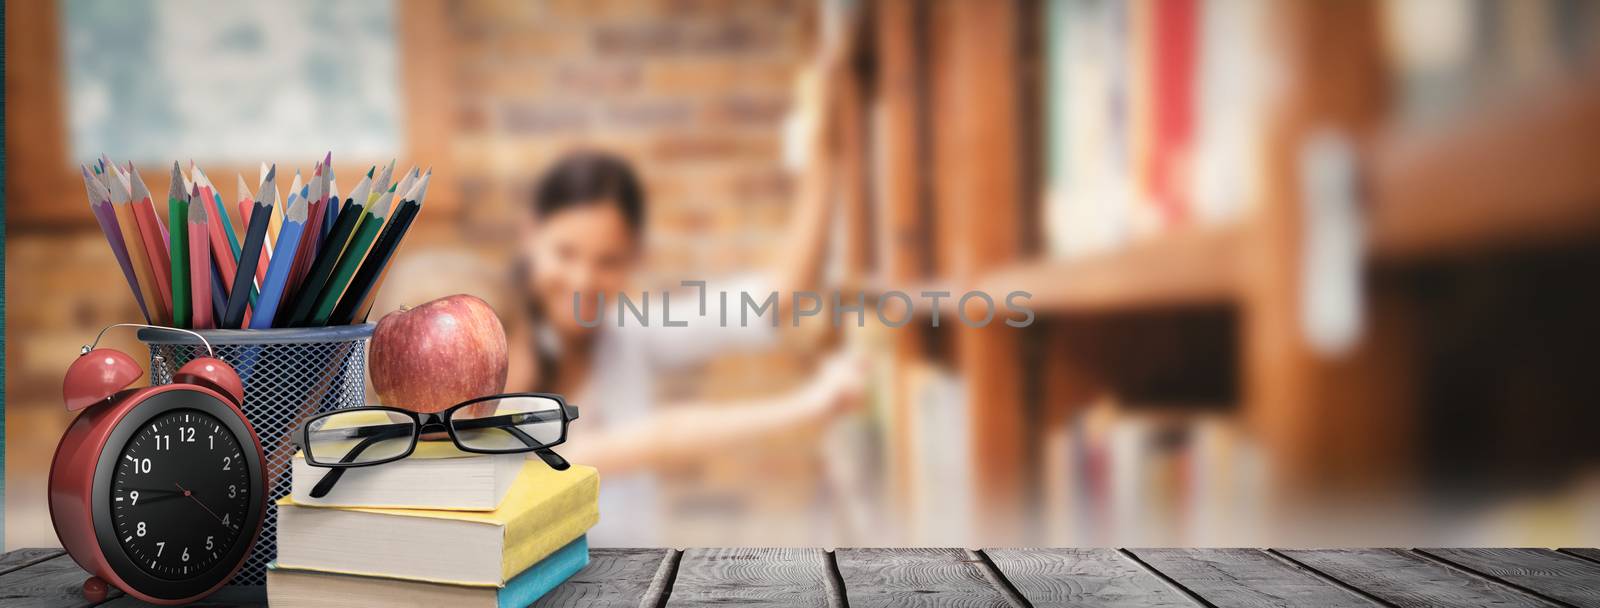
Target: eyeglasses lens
x=509 y=423
x=360 y=436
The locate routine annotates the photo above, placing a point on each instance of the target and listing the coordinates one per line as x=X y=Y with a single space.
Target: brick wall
x=694 y=92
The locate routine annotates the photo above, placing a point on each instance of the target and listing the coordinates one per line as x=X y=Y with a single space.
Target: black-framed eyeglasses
x=373 y=435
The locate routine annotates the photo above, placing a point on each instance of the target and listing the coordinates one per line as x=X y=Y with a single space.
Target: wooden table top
x=1002 y=577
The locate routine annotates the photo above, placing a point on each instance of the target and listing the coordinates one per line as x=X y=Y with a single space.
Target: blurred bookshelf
x=1190 y=267
x=1141 y=169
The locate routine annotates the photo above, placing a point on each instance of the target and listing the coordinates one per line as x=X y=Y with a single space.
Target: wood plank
x=1078 y=577
x=755 y=577
x=227 y=597
x=1405 y=579
x=1246 y=578
x=22 y=558
x=916 y=577
x=613 y=578
x=1562 y=577
x=53 y=583
x=1590 y=554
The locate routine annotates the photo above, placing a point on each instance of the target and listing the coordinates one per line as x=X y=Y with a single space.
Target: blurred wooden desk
x=1006 y=577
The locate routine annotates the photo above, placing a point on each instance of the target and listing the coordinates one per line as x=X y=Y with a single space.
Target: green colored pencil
x=366 y=231
x=178 y=217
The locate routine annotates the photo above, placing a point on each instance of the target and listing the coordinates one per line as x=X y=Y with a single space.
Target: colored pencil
x=314 y=202
x=274 y=220
x=223 y=256
x=200 y=275
x=277 y=215
x=221 y=225
x=129 y=176
x=305 y=298
x=106 y=216
x=278 y=273
x=151 y=229
x=250 y=254
x=112 y=171
x=380 y=186
x=350 y=260
x=178 y=218
x=246 y=203
x=143 y=267
x=366 y=306
x=310 y=235
x=360 y=193
x=376 y=264
x=242 y=201
x=407 y=182
x=219 y=296
x=331 y=210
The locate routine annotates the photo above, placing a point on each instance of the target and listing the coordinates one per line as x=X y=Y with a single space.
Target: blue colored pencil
x=294 y=223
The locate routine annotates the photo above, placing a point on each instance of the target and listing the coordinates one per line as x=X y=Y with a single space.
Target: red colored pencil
x=151 y=229
x=200 y=258
x=309 y=246
x=221 y=252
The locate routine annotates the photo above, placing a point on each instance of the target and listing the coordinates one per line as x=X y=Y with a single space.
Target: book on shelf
x=1450 y=56
x=1153 y=113
x=543 y=511
x=288 y=588
x=1154 y=475
x=435 y=476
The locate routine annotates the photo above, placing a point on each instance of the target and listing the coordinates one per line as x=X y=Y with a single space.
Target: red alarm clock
x=158 y=491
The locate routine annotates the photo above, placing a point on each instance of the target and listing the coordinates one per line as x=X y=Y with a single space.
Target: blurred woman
x=579 y=250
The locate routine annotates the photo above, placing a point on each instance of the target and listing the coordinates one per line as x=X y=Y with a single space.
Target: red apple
x=436 y=355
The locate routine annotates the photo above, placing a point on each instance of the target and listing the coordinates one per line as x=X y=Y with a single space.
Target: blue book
x=293 y=588
x=526 y=588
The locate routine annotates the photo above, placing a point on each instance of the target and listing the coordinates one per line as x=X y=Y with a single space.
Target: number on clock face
x=180 y=494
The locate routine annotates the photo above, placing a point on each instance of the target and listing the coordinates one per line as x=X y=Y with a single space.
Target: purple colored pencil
x=107 y=218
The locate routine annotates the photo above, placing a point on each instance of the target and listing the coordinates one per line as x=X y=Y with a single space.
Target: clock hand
x=197 y=501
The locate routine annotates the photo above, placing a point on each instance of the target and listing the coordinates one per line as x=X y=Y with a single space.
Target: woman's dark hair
x=591 y=178
x=578 y=179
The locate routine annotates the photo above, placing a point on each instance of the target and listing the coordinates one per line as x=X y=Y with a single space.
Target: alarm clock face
x=180 y=493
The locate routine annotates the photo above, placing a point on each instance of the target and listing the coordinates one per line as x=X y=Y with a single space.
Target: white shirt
x=622 y=385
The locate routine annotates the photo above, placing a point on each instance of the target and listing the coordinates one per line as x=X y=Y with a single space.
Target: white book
x=435 y=476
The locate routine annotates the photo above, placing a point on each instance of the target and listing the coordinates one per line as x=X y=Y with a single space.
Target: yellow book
x=544 y=510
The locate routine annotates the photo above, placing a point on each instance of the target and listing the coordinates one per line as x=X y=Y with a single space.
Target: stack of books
x=440 y=528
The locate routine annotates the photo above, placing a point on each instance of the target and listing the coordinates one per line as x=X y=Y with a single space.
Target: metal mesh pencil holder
x=289 y=375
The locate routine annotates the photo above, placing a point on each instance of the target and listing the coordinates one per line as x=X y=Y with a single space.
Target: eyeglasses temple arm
x=327 y=482
x=549 y=457
x=553 y=459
